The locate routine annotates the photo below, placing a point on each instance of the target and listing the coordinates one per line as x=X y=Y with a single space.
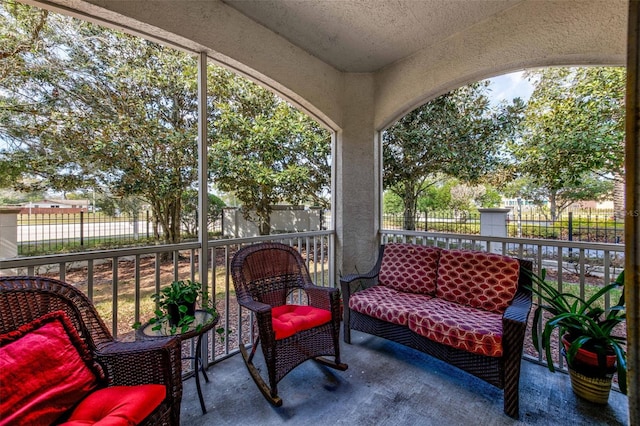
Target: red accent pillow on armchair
x=45 y=369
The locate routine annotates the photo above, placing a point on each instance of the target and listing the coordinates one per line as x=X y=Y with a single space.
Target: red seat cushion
x=117 y=406
x=289 y=319
x=462 y=327
x=386 y=303
x=45 y=369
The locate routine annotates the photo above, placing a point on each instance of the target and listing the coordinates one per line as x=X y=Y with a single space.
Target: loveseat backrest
x=478 y=279
x=410 y=268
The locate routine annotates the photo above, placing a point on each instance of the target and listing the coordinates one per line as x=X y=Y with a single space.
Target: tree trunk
x=409 y=200
x=264 y=218
x=265 y=226
x=409 y=220
x=553 y=207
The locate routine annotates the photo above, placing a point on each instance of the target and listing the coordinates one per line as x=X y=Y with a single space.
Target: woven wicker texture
x=265 y=275
x=24 y=299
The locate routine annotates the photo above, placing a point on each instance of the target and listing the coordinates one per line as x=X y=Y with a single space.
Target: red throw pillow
x=117 y=406
x=45 y=369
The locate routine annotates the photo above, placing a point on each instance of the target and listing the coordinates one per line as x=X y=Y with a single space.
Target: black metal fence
x=50 y=233
x=591 y=225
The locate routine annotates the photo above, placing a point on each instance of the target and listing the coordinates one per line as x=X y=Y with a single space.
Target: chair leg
x=333 y=364
x=267 y=392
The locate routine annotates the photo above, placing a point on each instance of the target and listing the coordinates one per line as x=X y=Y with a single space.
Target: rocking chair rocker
x=266 y=277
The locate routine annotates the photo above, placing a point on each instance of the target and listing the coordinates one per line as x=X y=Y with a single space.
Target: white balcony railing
x=121 y=281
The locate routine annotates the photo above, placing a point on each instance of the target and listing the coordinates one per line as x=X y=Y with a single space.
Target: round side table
x=202 y=318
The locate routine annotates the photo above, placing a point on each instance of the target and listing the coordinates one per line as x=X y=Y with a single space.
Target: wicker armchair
x=24 y=299
x=266 y=276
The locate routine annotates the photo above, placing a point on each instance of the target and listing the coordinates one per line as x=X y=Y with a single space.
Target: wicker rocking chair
x=266 y=276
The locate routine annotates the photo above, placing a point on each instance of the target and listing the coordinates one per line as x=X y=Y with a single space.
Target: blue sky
x=509 y=86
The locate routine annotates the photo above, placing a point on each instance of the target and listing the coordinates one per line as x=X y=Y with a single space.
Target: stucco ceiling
x=367 y=35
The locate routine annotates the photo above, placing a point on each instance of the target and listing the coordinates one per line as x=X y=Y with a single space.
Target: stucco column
x=357 y=178
x=493 y=222
x=8 y=236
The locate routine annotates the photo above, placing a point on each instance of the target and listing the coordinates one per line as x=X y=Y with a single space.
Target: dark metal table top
x=202 y=318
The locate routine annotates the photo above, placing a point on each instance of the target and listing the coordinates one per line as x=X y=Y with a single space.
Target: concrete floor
x=388 y=384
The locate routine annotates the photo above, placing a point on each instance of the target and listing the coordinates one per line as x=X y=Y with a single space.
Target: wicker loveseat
x=468 y=308
x=59 y=364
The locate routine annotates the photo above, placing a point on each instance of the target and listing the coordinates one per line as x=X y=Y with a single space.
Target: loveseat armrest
x=514 y=321
x=514 y=327
x=367 y=280
x=519 y=309
x=346 y=287
x=157 y=361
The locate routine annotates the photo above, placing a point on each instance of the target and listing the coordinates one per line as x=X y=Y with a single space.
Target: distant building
x=55 y=206
x=528 y=204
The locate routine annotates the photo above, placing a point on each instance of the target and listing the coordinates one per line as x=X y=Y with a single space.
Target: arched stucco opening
x=358 y=106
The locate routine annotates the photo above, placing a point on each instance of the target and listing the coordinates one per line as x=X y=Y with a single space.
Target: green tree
x=392 y=203
x=437 y=197
x=457 y=134
x=90 y=108
x=190 y=210
x=491 y=198
x=572 y=143
x=21 y=26
x=266 y=152
x=95 y=108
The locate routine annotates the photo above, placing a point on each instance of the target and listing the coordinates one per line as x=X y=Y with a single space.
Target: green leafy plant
x=586 y=325
x=176 y=304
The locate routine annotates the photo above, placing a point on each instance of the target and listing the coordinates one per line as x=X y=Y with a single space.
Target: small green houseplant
x=585 y=327
x=176 y=306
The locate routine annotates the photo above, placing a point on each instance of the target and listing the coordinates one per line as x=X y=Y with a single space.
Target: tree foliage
x=572 y=135
x=457 y=134
x=94 y=108
x=265 y=152
x=85 y=107
x=190 y=210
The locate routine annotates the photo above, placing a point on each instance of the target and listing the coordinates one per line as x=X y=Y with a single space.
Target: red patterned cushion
x=45 y=369
x=386 y=304
x=469 y=329
x=477 y=279
x=410 y=267
x=289 y=319
x=117 y=406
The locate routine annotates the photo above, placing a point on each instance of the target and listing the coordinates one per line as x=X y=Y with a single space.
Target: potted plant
x=592 y=351
x=176 y=305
